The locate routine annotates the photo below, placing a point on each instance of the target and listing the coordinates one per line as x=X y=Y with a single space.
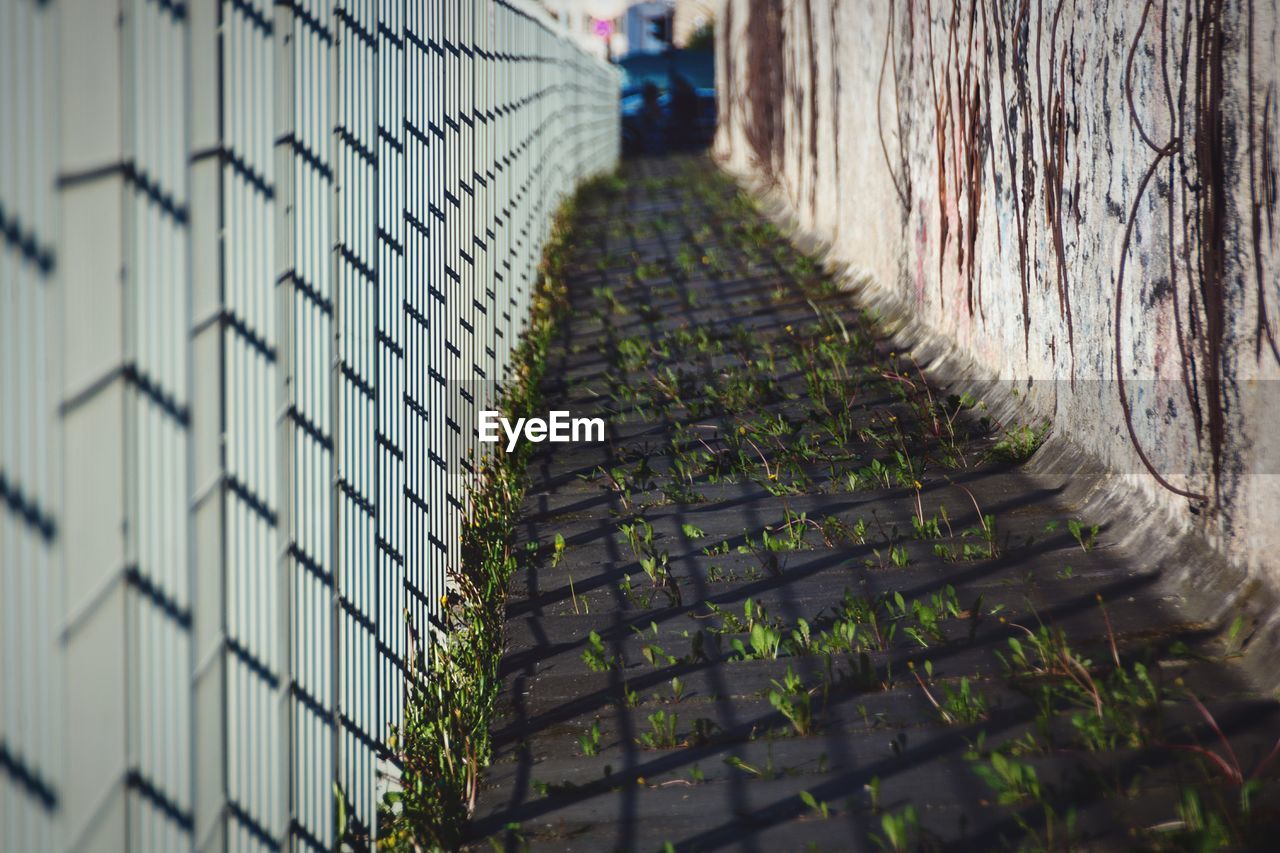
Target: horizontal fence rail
x=263 y=264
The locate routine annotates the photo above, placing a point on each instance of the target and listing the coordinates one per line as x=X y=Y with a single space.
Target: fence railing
x=263 y=262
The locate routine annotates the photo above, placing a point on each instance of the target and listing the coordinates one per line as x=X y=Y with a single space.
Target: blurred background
x=666 y=52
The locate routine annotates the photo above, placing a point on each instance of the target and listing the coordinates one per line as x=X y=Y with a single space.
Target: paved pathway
x=767 y=614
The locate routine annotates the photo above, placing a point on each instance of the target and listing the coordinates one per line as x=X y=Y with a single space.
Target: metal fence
x=262 y=264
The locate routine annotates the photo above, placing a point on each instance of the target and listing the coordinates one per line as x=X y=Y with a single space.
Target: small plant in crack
x=1043 y=652
x=632 y=354
x=802 y=640
x=1109 y=709
x=872 y=476
x=930 y=614
x=639 y=536
x=656 y=564
x=790 y=538
x=784 y=538
x=1020 y=443
x=1225 y=763
x=945 y=417
x=1016 y=784
x=766 y=772
x=589 y=743
x=658 y=569
x=653 y=653
x=616 y=480
x=691 y=531
x=647 y=271
x=662 y=731
x=790 y=698
x=859 y=622
x=1199 y=827
x=550 y=789
x=1086 y=537
x=766 y=643
x=836 y=532
x=986 y=548
x=1013 y=782
x=681 y=490
x=900 y=831
x=1235 y=638
x=718 y=550
x=962 y=705
x=930 y=528
x=595 y=656
x=820 y=807
x=557 y=550
x=610 y=299
x=630 y=594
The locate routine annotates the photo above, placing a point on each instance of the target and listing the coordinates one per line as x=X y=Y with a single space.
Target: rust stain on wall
x=762 y=91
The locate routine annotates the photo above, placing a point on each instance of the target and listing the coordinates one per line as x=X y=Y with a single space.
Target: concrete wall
x=1063 y=192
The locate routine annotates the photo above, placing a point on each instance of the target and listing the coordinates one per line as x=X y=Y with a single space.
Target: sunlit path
x=776 y=604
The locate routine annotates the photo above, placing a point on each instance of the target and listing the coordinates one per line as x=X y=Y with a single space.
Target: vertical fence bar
x=257 y=662
x=157 y=423
x=391 y=670
x=438 y=324
x=419 y=61
x=358 y=293
x=31 y=444
x=306 y=143
x=208 y=496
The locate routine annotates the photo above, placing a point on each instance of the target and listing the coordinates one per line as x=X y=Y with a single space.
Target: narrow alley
x=808 y=596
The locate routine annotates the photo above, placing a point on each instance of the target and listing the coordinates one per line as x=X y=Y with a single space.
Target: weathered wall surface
x=1068 y=193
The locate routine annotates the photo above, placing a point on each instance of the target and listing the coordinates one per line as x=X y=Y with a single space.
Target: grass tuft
x=452 y=683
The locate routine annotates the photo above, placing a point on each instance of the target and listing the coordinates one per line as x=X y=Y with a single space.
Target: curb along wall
x=1078 y=196
x=262 y=265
